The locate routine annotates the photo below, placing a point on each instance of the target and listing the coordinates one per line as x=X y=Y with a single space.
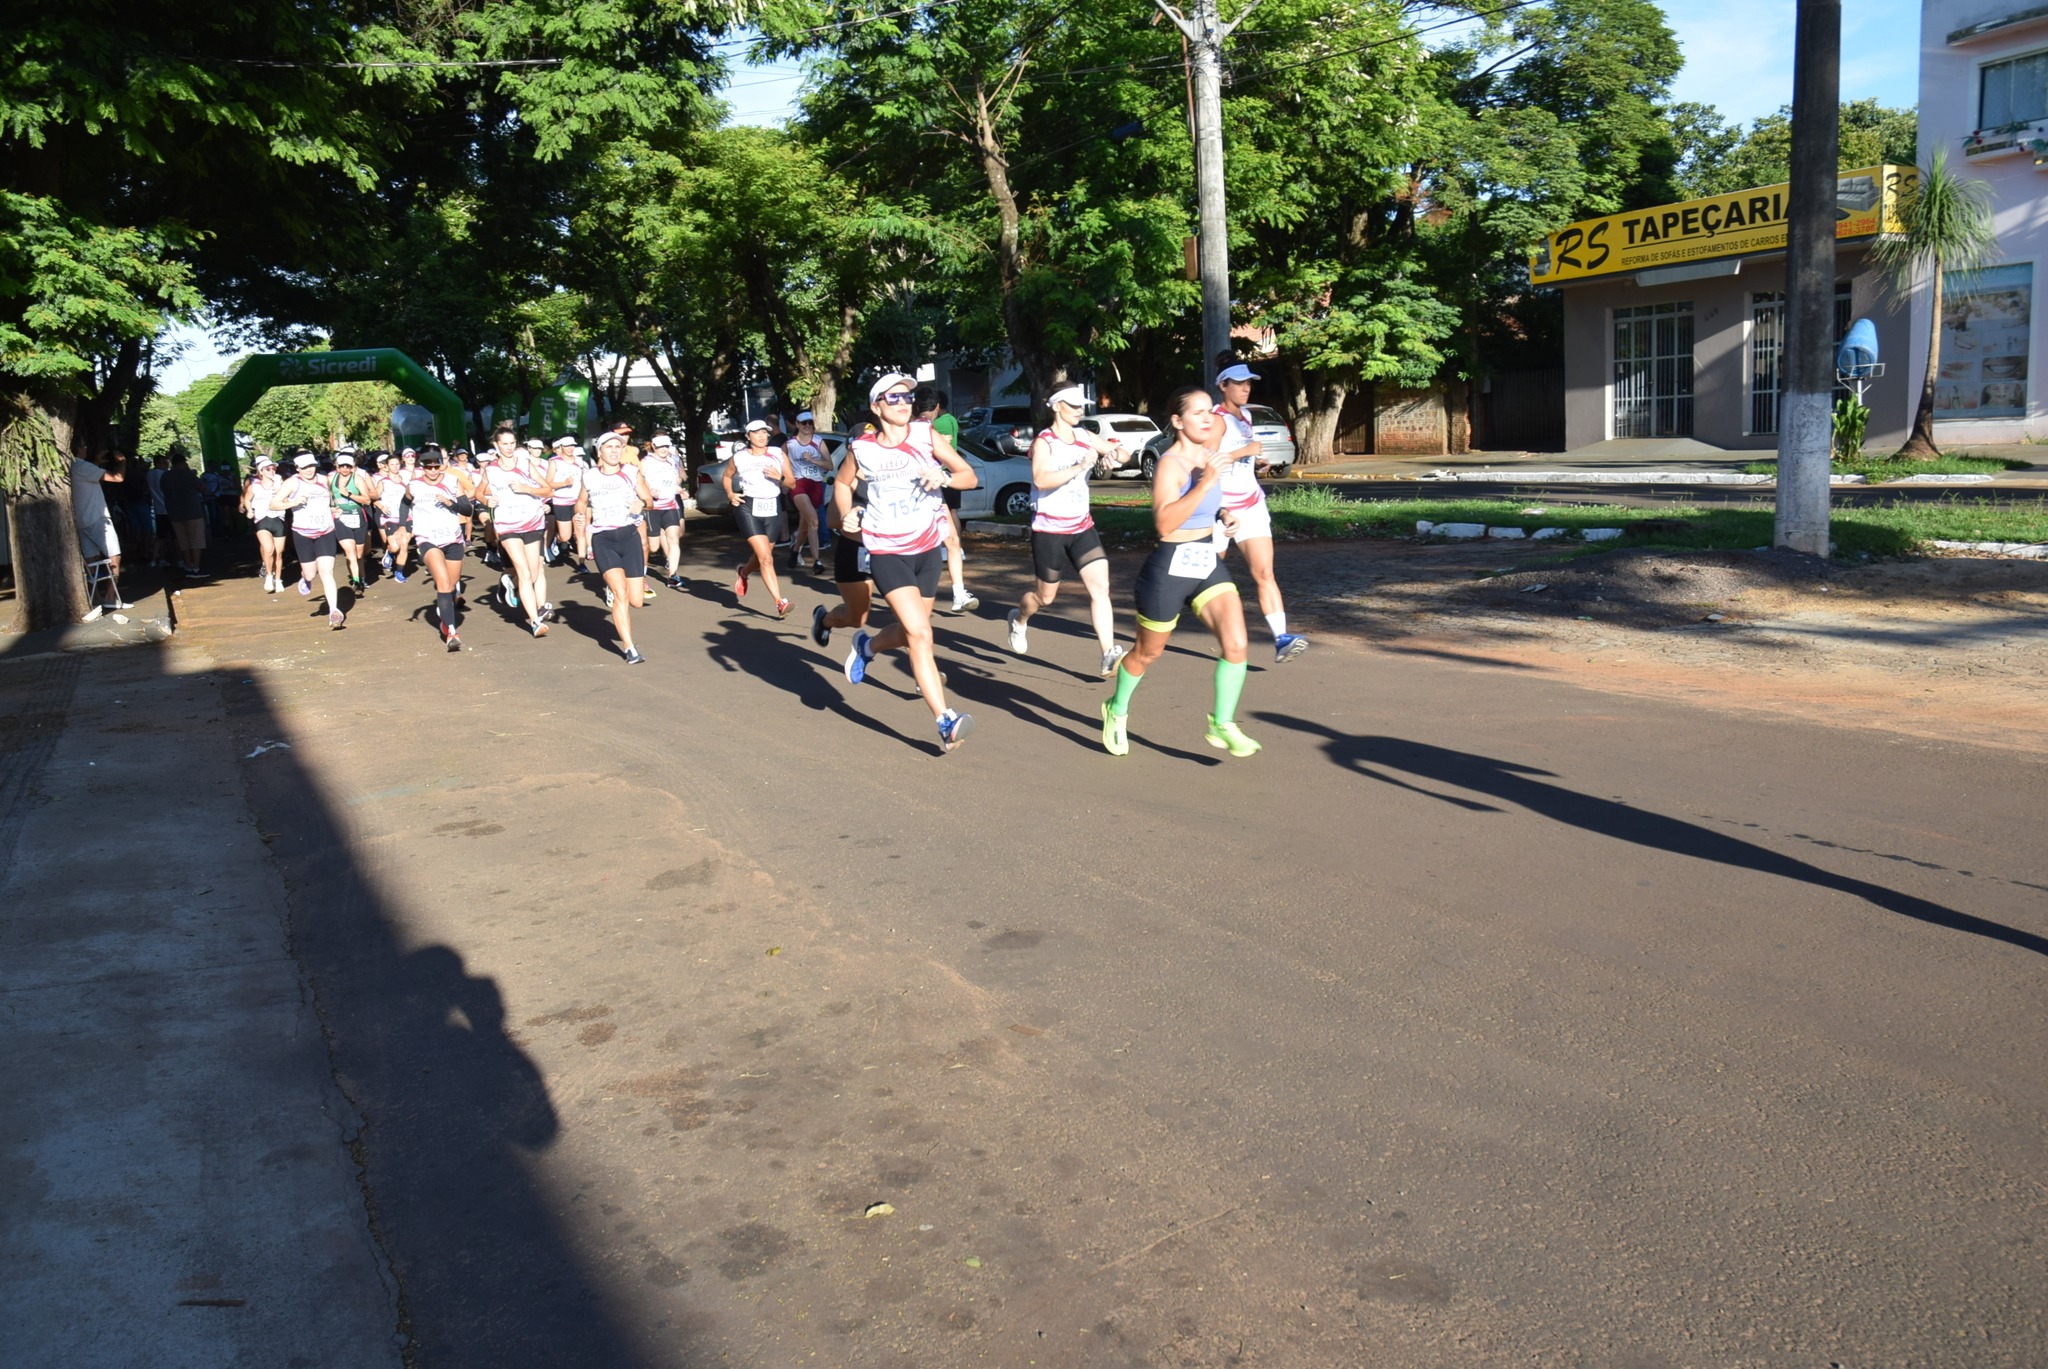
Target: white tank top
x=259 y=500
x=1065 y=509
x=753 y=471
x=316 y=515
x=515 y=511
x=614 y=499
x=903 y=517
x=390 y=496
x=432 y=522
x=561 y=468
x=664 y=478
x=808 y=460
x=1240 y=480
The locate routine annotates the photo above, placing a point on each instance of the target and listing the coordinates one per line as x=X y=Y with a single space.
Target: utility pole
x=1806 y=405
x=1205 y=32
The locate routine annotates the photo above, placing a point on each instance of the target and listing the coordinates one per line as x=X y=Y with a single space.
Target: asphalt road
x=1736 y=496
x=1478 y=1019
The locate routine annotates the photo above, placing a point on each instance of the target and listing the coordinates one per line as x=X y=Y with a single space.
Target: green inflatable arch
x=260 y=373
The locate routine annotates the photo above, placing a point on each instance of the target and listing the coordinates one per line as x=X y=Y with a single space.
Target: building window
x=1767 y=347
x=1653 y=371
x=2013 y=92
x=1987 y=321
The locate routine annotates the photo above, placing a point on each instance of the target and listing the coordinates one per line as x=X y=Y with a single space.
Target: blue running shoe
x=1287 y=646
x=398 y=575
x=953 y=728
x=858 y=658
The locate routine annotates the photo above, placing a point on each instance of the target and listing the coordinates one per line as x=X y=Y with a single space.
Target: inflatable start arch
x=260 y=373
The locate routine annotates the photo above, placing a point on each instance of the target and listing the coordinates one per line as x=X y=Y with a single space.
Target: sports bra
x=1204 y=515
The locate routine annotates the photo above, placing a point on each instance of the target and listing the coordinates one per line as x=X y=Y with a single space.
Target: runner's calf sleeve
x=1229 y=685
x=444 y=605
x=1126 y=685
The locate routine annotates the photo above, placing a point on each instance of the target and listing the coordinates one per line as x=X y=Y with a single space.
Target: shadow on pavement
x=777 y=659
x=1524 y=786
x=454 y=1109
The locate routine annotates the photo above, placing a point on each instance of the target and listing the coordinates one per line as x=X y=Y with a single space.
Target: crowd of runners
x=879 y=506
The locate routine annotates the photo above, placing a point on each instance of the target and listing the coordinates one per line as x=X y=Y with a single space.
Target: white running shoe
x=510 y=591
x=1112 y=658
x=1019 y=636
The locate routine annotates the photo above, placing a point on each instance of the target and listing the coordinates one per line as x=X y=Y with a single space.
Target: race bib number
x=351 y=520
x=862 y=561
x=765 y=507
x=1193 y=560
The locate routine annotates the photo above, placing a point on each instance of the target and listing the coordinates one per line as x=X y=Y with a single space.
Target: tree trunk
x=825 y=403
x=1920 y=444
x=49 y=575
x=1315 y=427
x=1458 y=415
x=1041 y=372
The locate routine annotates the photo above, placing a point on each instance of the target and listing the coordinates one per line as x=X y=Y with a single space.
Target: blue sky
x=1738 y=58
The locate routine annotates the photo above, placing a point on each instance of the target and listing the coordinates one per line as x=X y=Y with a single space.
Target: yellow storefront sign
x=1866 y=204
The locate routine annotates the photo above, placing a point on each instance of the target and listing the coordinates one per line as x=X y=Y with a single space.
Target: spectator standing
x=96 y=537
x=160 y=513
x=185 y=503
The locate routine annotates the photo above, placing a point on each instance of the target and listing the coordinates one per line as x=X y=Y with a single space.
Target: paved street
x=1480 y=1019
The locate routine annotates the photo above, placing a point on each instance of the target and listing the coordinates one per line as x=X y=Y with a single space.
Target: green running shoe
x=1114 y=739
x=1230 y=737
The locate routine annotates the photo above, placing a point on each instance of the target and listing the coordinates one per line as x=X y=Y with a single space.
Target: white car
x=1005 y=485
x=1135 y=431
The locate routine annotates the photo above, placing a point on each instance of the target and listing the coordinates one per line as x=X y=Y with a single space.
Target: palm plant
x=1946 y=222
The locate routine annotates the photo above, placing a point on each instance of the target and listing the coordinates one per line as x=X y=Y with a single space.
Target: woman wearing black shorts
x=1063 y=535
x=311 y=503
x=1184 y=571
x=616 y=492
x=440 y=497
x=905 y=465
x=762 y=474
x=843 y=512
x=258 y=505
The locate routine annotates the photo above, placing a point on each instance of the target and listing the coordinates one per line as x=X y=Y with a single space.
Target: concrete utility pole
x=1205 y=33
x=1807 y=367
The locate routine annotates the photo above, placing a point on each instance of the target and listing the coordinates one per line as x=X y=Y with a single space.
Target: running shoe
x=967 y=605
x=549 y=555
x=782 y=608
x=821 y=631
x=547 y=613
x=1287 y=646
x=646 y=594
x=398 y=575
x=675 y=582
x=1115 y=740
x=607 y=596
x=739 y=583
x=334 y=618
x=1112 y=657
x=509 y=590
x=448 y=635
x=953 y=728
x=538 y=628
x=857 y=659
x=355 y=582
x=634 y=657
x=1019 y=635
x=385 y=561
x=305 y=590
x=1230 y=737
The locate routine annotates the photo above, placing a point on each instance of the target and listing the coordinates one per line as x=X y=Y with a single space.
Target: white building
x=1984 y=99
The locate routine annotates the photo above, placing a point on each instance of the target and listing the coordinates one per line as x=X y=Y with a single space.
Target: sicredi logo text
x=334 y=366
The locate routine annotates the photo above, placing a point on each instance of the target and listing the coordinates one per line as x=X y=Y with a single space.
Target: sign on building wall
x=1866 y=203
x=1986 y=325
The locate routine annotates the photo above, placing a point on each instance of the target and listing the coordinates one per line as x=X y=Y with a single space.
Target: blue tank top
x=1204 y=515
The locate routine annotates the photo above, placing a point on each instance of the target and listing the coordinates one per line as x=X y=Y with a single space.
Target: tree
x=1946 y=223
x=1713 y=158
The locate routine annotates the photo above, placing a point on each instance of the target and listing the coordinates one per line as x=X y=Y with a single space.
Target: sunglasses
x=900 y=397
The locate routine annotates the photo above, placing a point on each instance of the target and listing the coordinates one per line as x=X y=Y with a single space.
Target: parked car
x=710 y=491
x=1276 y=442
x=998 y=431
x=1005 y=483
x=1135 y=431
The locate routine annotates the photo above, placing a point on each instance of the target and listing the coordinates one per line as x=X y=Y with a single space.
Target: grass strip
x=1878 y=469
x=1894 y=528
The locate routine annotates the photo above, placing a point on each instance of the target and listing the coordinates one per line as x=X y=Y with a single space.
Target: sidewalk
x=178 y=1183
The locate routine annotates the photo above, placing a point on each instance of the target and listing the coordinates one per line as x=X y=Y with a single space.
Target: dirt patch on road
x=1952 y=648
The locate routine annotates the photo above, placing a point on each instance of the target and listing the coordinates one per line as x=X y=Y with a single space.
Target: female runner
x=572 y=525
x=616 y=492
x=1063 y=532
x=259 y=506
x=663 y=472
x=351 y=490
x=1246 y=501
x=439 y=497
x=1183 y=572
x=306 y=493
x=905 y=465
x=807 y=455
x=516 y=493
x=391 y=519
x=762 y=473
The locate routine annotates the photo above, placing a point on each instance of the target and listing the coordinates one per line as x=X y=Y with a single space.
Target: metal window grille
x=1767 y=350
x=1653 y=371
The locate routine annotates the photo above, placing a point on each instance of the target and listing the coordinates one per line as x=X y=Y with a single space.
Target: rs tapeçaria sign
x=1737 y=225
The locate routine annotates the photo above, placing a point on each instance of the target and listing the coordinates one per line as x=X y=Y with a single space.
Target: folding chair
x=99 y=573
